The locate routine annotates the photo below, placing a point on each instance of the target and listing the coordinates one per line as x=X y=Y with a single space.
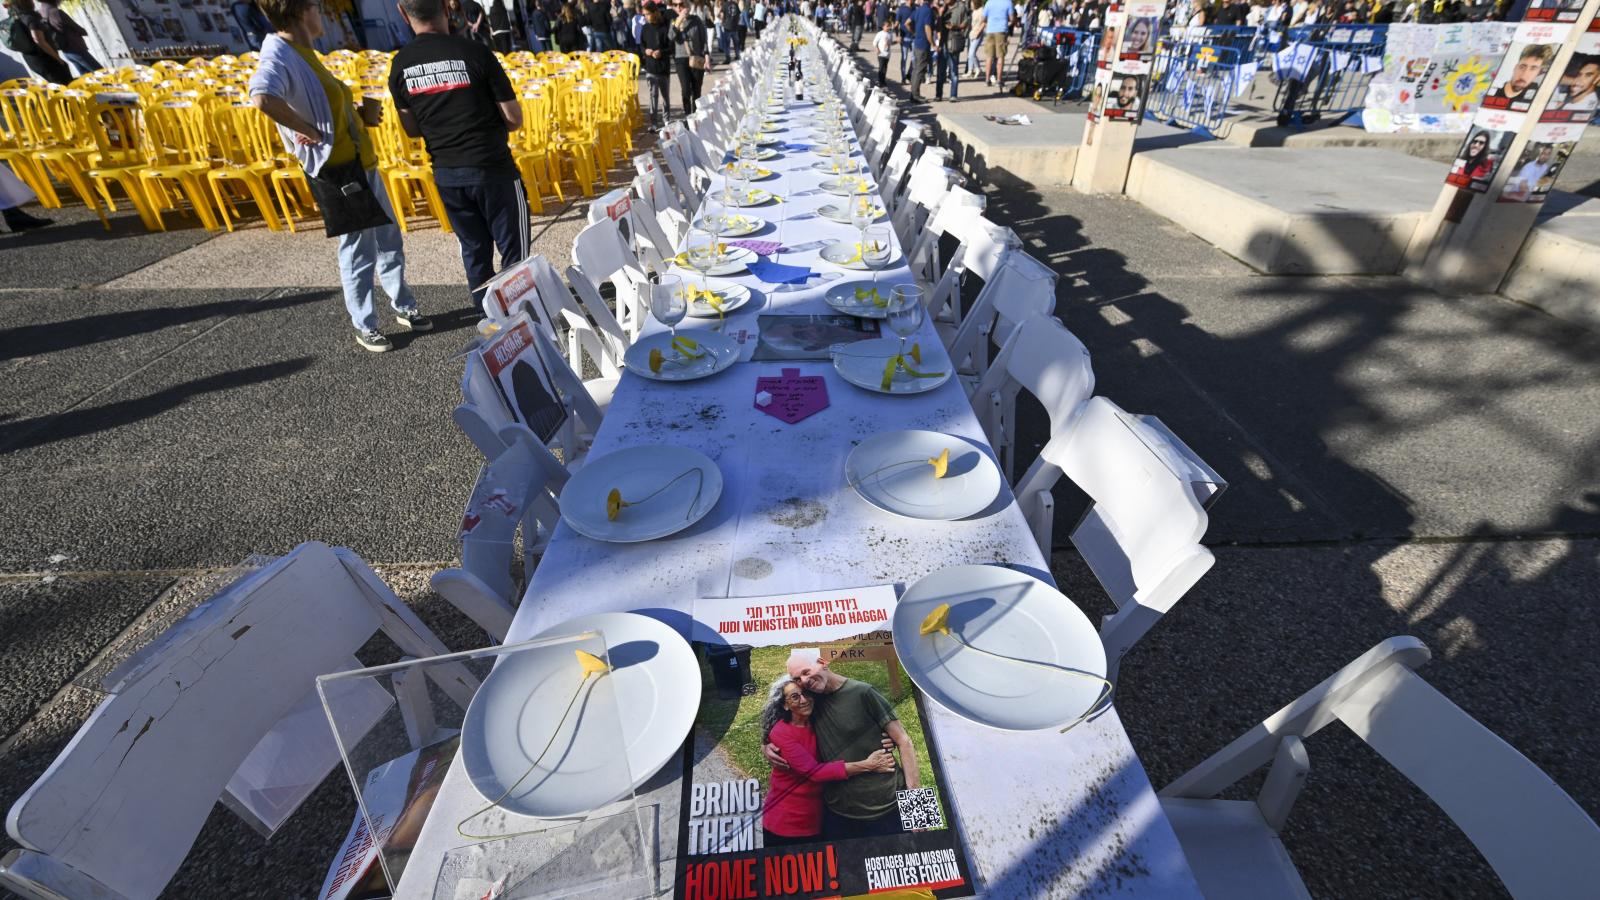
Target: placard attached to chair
x=510 y=289
x=513 y=361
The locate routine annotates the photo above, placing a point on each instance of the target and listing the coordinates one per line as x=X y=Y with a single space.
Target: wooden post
x=1493 y=193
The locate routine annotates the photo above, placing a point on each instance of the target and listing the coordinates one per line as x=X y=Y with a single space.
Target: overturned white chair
x=1540 y=842
x=115 y=814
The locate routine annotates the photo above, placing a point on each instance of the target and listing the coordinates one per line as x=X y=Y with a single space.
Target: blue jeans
x=907 y=55
x=972 y=51
x=948 y=66
x=380 y=250
x=83 y=62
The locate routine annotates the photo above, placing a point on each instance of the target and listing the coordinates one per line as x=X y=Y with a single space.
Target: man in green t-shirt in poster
x=850 y=722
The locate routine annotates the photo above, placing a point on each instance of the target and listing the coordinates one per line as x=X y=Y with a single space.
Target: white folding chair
x=1536 y=838
x=533 y=287
x=924 y=257
x=115 y=814
x=690 y=178
x=515 y=488
x=1015 y=287
x=926 y=189
x=1141 y=536
x=599 y=254
x=651 y=184
x=1047 y=360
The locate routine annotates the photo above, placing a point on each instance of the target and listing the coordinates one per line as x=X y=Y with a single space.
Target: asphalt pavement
x=1399 y=462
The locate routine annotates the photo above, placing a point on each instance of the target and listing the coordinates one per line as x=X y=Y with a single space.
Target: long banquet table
x=1040 y=814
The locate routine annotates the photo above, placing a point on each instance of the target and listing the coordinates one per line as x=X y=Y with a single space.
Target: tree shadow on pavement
x=23 y=434
x=52 y=337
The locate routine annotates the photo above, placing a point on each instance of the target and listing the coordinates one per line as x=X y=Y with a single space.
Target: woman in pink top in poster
x=793 y=810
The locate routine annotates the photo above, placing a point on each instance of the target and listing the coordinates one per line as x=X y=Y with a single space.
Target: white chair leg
x=1285 y=779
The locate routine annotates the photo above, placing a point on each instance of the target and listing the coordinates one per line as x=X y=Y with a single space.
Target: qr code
x=919 y=809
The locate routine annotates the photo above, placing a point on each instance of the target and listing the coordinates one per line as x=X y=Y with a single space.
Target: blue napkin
x=787 y=145
x=728 y=157
x=778 y=273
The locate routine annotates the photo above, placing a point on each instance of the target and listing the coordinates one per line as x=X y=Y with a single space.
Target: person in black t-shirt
x=453 y=93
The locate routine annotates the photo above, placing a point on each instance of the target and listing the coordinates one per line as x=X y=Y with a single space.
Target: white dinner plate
x=829 y=167
x=891 y=471
x=756 y=173
x=733 y=296
x=840 y=212
x=752 y=197
x=847 y=186
x=862 y=364
x=764 y=153
x=1001 y=611
x=847 y=255
x=656 y=681
x=735 y=225
x=846 y=297
x=719 y=349
x=734 y=259
x=636 y=473
x=517 y=713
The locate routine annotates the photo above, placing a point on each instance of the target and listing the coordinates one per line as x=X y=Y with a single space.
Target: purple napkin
x=778 y=273
x=760 y=248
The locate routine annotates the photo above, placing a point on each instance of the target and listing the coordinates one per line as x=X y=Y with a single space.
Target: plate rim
x=748 y=294
x=716 y=496
x=646 y=373
x=669 y=753
x=900 y=626
x=933 y=386
x=856 y=485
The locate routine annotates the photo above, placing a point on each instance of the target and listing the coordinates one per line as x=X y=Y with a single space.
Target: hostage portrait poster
x=809 y=773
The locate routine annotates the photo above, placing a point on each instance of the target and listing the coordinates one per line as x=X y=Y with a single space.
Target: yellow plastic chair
x=407 y=174
x=536 y=159
x=246 y=161
x=21 y=111
x=117 y=124
x=65 y=148
x=179 y=155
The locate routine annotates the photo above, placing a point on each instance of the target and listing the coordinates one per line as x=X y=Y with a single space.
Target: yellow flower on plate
x=614 y=504
x=937 y=621
x=940 y=463
x=656 y=359
x=591 y=664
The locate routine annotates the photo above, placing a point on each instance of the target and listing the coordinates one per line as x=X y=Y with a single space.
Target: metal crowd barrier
x=1192 y=85
x=1070 y=74
x=1336 y=70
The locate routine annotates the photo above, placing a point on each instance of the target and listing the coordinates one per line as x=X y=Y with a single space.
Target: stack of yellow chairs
x=184 y=136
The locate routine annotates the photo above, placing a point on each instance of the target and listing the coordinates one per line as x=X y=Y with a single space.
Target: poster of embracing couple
x=809 y=772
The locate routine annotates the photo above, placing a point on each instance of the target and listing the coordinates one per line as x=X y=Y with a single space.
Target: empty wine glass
x=701 y=253
x=875 y=250
x=668 y=304
x=862 y=215
x=905 y=317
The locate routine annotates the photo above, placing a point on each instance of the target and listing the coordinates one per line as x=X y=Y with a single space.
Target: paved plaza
x=1400 y=462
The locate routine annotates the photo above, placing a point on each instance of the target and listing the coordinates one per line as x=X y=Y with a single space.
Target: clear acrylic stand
x=525 y=791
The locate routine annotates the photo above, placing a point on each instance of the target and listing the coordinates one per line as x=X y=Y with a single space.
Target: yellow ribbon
x=899 y=362
x=687 y=347
x=878 y=300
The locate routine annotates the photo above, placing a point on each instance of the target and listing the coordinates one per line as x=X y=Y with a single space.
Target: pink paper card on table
x=794 y=396
x=760 y=248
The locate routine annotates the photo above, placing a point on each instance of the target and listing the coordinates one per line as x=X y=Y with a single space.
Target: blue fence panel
x=1192 y=85
x=1334 y=81
x=1075 y=51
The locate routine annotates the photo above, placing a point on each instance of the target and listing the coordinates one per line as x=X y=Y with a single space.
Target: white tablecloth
x=1041 y=814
